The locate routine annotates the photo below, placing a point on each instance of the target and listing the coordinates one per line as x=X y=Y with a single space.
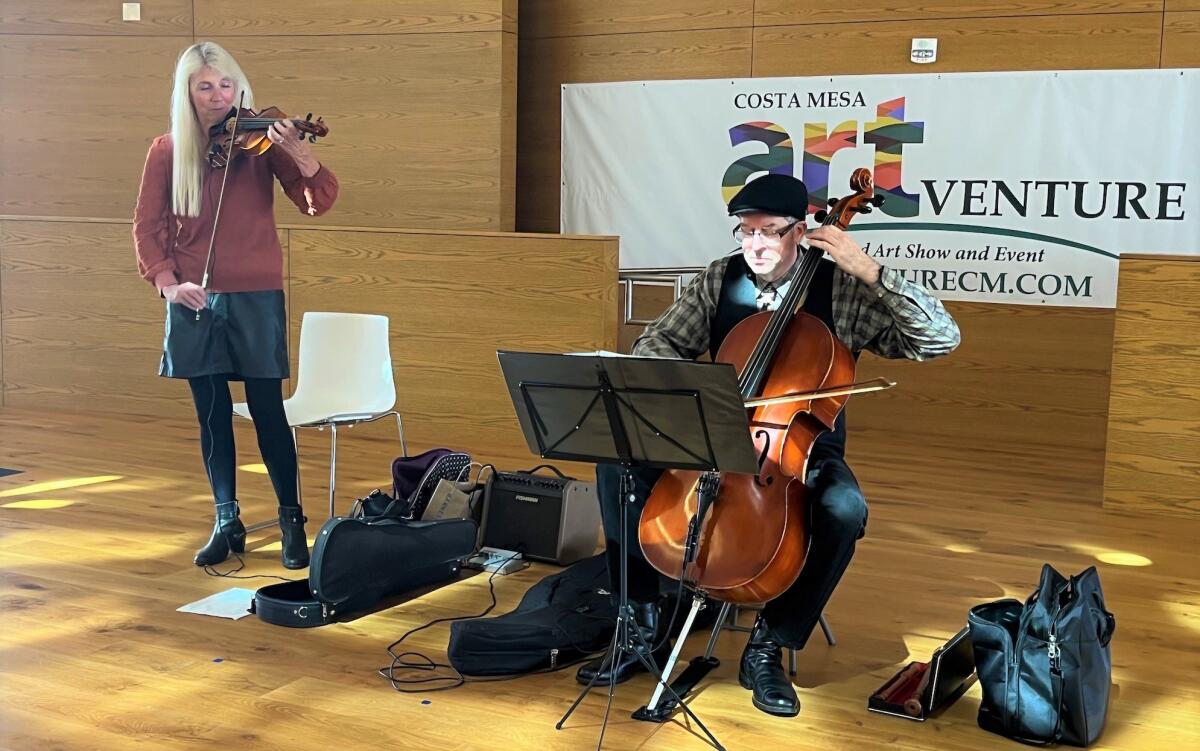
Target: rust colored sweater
x=247 y=255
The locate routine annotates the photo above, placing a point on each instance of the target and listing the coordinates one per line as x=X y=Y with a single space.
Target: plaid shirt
x=892 y=318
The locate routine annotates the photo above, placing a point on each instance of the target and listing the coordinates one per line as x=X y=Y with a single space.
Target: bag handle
x=1108 y=622
x=550 y=467
x=490 y=468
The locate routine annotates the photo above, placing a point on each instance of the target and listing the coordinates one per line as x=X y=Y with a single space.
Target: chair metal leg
x=266 y=523
x=332 y=468
x=400 y=432
x=716 y=632
x=299 y=485
x=735 y=619
x=828 y=631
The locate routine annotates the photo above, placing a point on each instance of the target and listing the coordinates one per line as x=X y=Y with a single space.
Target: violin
x=246 y=130
x=743 y=538
x=251 y=132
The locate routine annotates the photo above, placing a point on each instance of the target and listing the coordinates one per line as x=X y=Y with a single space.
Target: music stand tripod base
x=624 y=635
x=638 y=412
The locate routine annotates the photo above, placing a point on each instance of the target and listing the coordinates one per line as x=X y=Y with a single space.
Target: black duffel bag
x=563 y=618
x=1045 y=664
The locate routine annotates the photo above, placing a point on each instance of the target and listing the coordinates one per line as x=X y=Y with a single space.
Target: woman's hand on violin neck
x=285 y=135
x=188 y=293
x=846 y=253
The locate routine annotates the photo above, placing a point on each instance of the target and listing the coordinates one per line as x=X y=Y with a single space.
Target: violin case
x=357 y=562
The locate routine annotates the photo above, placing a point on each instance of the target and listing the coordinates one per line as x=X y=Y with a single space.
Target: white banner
x=1002 y=187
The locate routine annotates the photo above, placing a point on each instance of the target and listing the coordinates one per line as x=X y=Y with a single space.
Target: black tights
x=214 y=410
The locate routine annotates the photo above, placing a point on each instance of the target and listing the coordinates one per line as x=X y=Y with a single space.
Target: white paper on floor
x=232 y=603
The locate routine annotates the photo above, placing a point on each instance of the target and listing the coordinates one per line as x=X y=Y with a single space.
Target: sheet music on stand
x=561 y=416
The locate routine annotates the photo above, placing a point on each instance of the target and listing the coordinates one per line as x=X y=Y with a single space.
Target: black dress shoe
x=648 y=620
x=762 y=672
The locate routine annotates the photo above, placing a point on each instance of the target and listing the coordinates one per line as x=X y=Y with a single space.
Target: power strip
x=498 y=560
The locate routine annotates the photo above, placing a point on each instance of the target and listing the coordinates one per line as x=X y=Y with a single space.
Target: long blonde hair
x=188 y=136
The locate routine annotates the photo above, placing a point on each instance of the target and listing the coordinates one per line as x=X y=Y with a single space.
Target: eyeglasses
x=769 y=235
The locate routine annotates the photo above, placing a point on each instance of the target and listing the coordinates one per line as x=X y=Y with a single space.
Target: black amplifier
x=553 y=519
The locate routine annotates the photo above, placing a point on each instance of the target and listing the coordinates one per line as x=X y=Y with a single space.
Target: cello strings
x=764 y=350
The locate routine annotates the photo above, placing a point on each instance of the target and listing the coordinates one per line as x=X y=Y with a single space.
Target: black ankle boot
x=228 y=534
x=295 y=544
x=648 y=620
x=762 y=672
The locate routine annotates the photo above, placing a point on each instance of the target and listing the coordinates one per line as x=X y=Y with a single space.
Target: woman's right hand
x=188 y=293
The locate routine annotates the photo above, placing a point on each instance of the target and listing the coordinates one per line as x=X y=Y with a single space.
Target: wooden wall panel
x=508 y=133
x=632 y=57
x=546 y=64
x=80 y=112
x=81 y=330
x=559 y=18
x=316 y=17
x=1153 y=460
x=418 y=127
x=421 y=101
x=510 y=10
x=453 y=300
x=1019 y=407
x=159 y=17
x=1174 y=5
x=1129 y=40
x=785 y=12
x=1181 y=40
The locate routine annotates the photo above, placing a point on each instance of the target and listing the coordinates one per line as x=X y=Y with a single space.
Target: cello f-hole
x=762 y=459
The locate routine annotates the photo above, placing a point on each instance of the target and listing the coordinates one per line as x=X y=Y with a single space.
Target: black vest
x=737 y=302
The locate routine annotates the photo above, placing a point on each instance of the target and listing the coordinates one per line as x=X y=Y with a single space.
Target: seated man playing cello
x=867 y=306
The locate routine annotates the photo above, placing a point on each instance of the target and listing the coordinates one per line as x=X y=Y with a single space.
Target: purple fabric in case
x=407 y=471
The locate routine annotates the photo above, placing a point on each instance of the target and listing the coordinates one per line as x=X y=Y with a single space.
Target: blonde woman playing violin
x=234 y=328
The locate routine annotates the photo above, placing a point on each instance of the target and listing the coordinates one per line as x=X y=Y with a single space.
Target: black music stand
x=639 y=412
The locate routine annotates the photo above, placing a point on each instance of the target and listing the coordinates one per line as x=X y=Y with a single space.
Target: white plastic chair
x=344 y=378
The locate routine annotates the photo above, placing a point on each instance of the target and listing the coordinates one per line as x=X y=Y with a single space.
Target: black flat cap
x=781 y=195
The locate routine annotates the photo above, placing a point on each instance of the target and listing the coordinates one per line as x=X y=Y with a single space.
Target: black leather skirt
x=240 y=334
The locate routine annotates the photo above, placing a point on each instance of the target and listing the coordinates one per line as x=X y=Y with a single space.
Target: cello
x=743 y=538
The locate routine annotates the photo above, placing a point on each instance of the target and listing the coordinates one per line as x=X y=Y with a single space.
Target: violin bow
x=208 y=262
x=875 y=384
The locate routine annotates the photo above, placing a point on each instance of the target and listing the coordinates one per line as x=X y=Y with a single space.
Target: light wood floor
x=94 y=655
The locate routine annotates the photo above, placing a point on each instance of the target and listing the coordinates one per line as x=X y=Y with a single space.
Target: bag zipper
x=1053 y=648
